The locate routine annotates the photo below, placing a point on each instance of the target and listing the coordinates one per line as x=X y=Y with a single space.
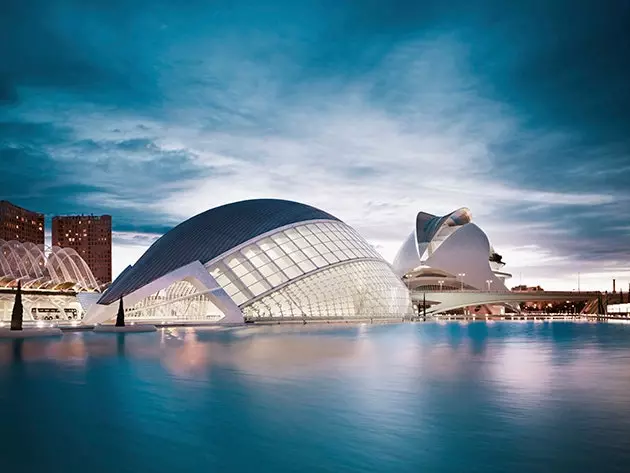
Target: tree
x=18 y=310
x=120 y=318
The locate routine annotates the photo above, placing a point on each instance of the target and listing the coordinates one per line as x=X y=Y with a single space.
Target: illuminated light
x=40 y=324
x=1 y=324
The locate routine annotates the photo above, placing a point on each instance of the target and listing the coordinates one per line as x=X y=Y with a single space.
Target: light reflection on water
x=395 y=398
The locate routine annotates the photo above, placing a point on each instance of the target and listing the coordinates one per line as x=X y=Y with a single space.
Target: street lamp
x=441 y=283
x=488 y=282
x=461 y=275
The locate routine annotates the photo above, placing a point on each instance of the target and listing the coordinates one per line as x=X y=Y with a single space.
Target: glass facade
x=319 y=269
x=180 y=301
x=359 y=289
x=287 y=255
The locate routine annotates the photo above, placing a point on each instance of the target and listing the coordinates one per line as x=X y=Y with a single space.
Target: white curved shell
x=451 y=246
x=59 y=268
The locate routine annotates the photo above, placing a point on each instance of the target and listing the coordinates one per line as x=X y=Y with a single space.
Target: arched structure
x=57 y=283
x=257 y=259
x=449 y=253
x=39 y=268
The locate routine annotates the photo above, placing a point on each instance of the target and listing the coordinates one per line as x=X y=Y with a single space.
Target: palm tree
x=120 y=318
x=18 y=310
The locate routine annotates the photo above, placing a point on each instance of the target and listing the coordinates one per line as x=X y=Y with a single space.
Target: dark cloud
x=46 y=168
x=559 y=69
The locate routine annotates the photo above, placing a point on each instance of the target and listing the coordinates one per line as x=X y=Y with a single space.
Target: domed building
x=254 y=260
x=449 y=253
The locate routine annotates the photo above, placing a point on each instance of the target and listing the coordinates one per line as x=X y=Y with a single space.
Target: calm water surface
x=502 y=397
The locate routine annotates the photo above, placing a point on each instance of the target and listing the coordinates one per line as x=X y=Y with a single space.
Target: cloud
x=368 y=113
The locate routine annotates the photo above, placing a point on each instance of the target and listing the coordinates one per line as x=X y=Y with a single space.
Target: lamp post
x=461 y=276
x=488 y=282
x=441 y=283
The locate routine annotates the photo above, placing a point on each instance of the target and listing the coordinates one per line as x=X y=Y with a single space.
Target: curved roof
x=208 y=235
x=40 y=268
x=429 y=230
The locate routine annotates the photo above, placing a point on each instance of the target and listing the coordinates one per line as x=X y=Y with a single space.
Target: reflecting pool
x=455 y=397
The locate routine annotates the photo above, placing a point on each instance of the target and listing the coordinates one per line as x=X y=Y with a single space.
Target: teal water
x=502 y=397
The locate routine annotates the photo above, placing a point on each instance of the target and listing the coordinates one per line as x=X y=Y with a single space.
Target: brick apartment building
x=17 y=223
x=91 y=237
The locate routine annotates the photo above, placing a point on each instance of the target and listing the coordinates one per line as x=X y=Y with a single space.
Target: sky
x=373 y=110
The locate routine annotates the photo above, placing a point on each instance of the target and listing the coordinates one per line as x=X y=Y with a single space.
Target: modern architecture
x=257 y=260
x=57 y=284
x=450 y=253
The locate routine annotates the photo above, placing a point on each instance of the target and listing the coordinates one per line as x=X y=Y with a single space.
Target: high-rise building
x=20 y=224
x=91 y=237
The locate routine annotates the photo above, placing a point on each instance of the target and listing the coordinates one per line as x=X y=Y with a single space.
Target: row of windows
x=287 y=255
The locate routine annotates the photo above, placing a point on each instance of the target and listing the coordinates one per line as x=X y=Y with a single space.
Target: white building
x=57 y=284
x=449 y=252
x=257 y=260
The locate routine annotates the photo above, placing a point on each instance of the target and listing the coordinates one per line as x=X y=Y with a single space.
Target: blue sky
x=371 y=110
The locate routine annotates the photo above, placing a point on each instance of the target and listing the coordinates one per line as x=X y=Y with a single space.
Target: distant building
x=524 y=288
x=18 y=224
x=91 y=237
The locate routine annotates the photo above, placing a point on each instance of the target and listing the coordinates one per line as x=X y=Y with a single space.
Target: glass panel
x=314 y=228
x=231 y=289
x=323 y=236
x=307 y=266
x=320 y=261
x=331 y=258
x=251 y=251
x=234 y=260
x=292 y=233
x=249 y=279
x=277 y=279
x=284 y=262
x=266 y=244
x=240 y=270
x=311 y=252
x=312 y=239
x=349 y=254
x=341 y=255
x=298 y=256
x=280 y=238
x=289 y=247
x=259 y=288
x=223 y=280
x=322 y=249
x=274 y=253
x=303 y=231
x=239 y=298
x=301 y=243
x=293 y=272
x=332 y=246
x=259 y=260
x=268 y=269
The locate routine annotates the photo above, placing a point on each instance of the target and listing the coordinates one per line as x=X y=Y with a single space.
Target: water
x=531 y=397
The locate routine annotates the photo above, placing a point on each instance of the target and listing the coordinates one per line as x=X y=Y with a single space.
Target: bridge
x=442 y=301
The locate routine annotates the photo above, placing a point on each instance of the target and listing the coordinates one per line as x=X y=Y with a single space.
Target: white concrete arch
x=195 y=273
